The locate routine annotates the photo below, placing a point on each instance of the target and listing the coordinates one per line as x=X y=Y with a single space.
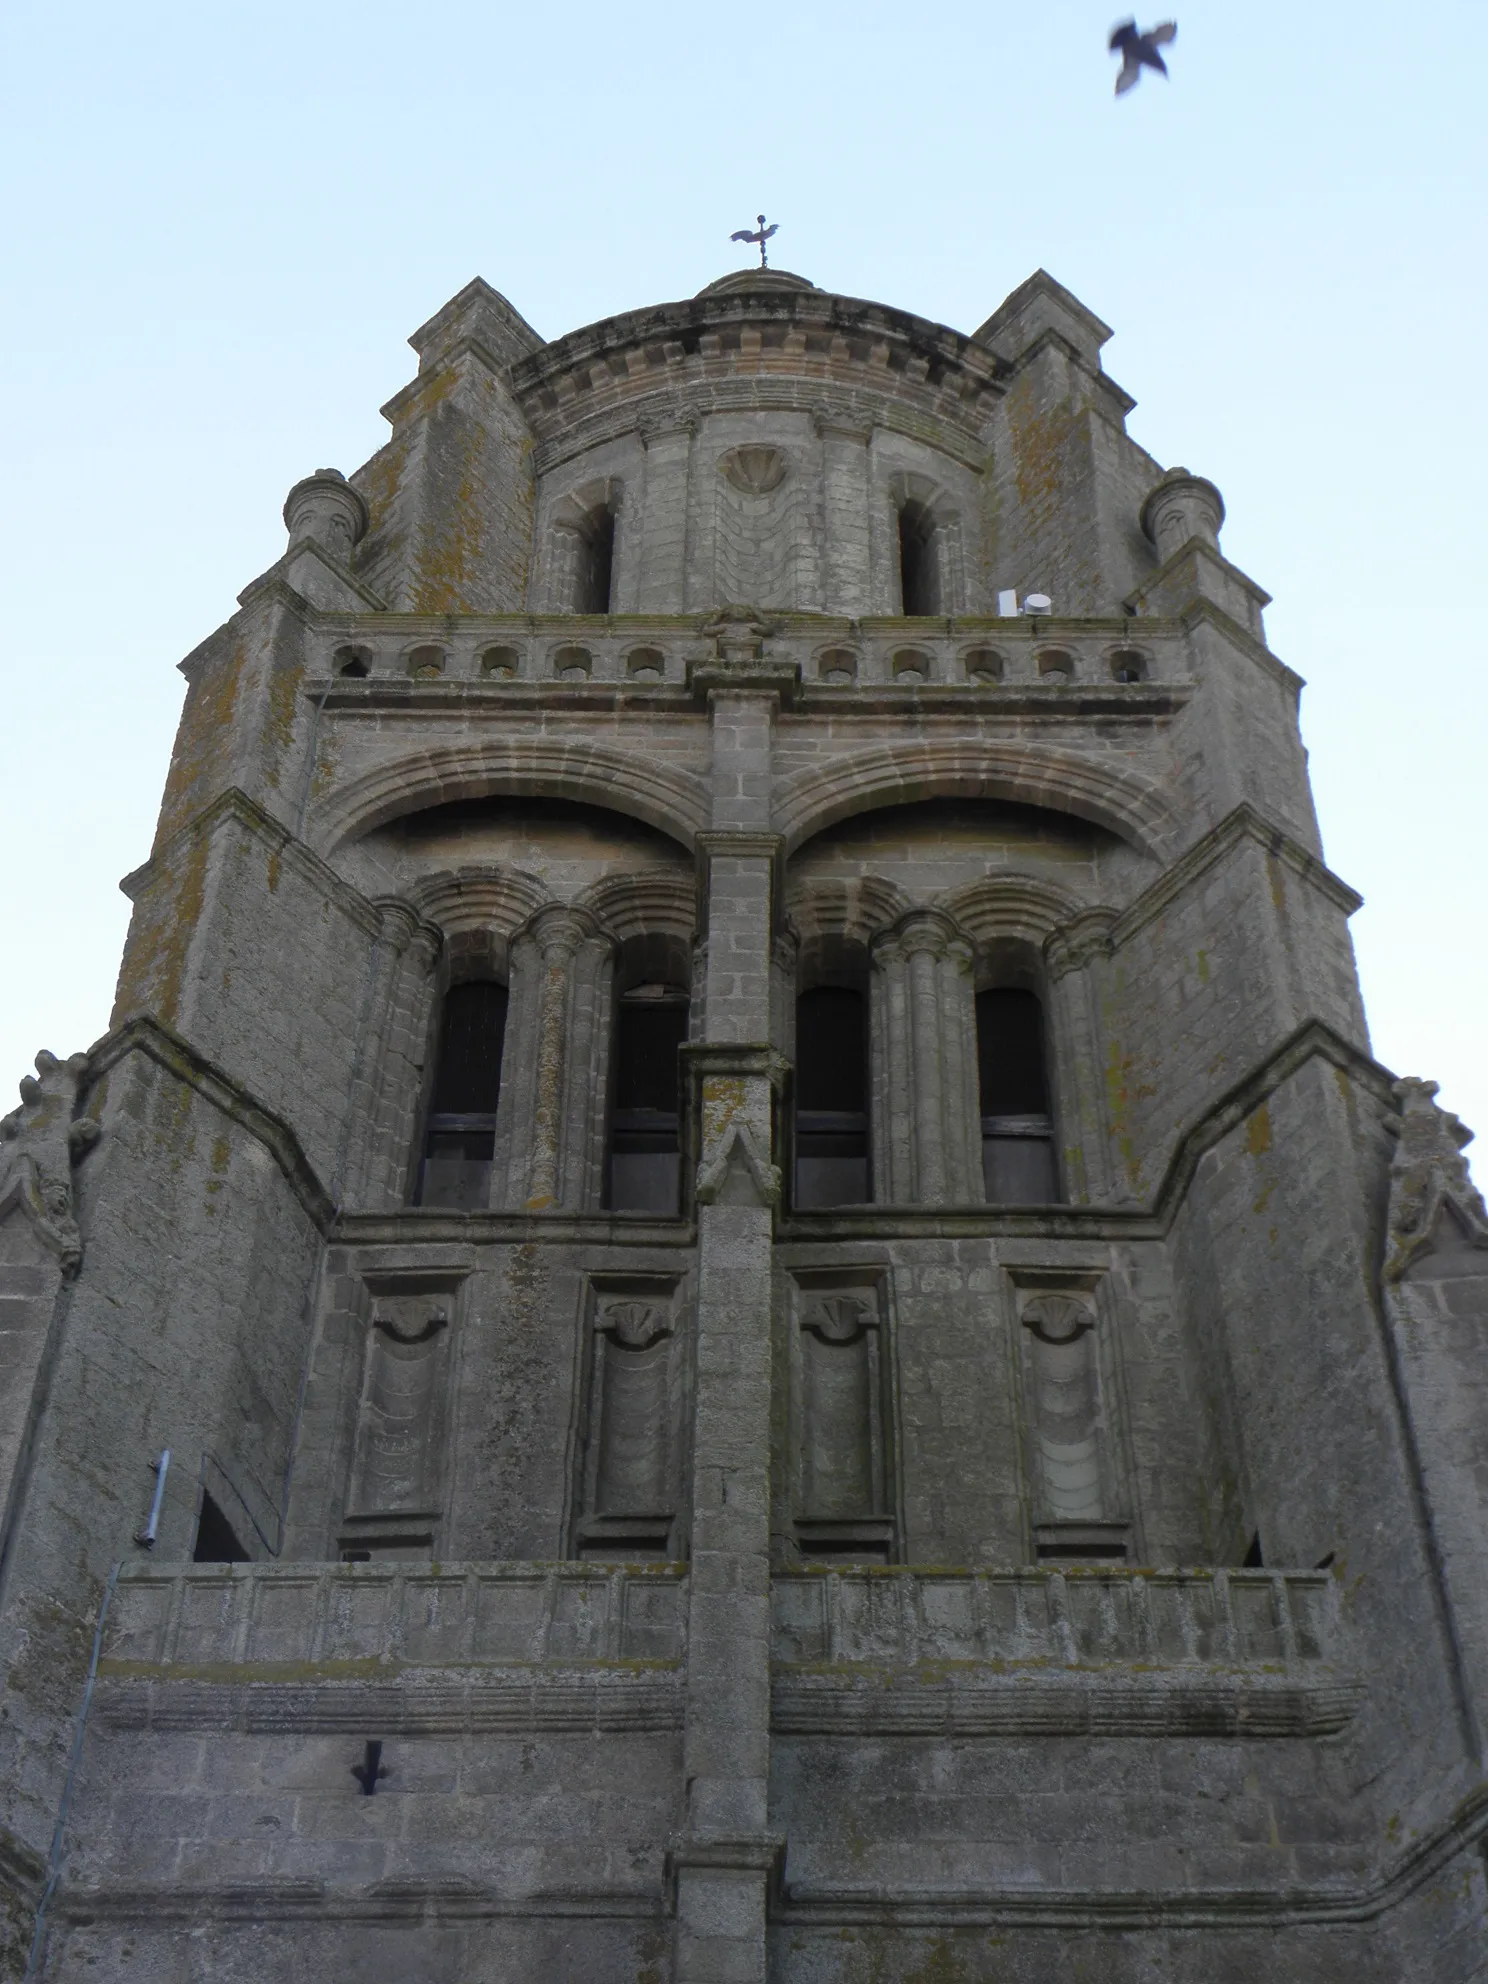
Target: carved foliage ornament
x=1057 y=1318
x=838 y=1318
x=1428 y=1172
x=39 y=1144
x=754 y=471
x=634 y=1325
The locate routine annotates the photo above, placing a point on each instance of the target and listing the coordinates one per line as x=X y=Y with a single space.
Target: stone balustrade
x=990 y=655
x=1066 y=1618
x=311 y=1616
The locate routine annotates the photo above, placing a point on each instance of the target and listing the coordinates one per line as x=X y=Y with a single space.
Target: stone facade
x=580 y=1403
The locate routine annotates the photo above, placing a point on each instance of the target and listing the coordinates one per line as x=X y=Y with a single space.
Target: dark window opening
x=460 y=1137
x=1017 y=1130
x=831 y=1098
x=1253 y=1560
x=645 y=1156
x=919 y=568
x=596 y=564
x=216 y=1540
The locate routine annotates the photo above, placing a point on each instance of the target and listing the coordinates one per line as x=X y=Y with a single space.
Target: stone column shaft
x=551 y=1113
x=926 y=1141
x=1075 y=957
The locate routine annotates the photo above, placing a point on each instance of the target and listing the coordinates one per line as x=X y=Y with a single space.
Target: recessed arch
x=852 y=909
x=1117 y=798
x=675 y=802
x=478 y=896
x=1009 y=906
x=646 y=905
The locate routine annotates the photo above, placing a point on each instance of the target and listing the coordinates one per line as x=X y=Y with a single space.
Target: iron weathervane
x=759 y=234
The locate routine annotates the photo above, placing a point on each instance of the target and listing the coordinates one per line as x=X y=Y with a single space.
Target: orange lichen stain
x=154 y=966
x=201 y=739
x=451 y=549
x=1040 y=439
x=1265 y=1198
x=285 y=681
x=324 y=776
x=1278 y=881
x=273 y=872
x=1258 y=1132
x=724 y=1099
x=380 y=480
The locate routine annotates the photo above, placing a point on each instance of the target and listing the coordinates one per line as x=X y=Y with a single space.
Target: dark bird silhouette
x=1139 y=51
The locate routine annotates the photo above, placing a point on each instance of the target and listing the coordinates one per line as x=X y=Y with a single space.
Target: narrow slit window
x=831 y=1097
x=1018 y=1166
x=216 y=1539
x=460 y=1137
x=919 y=567
x=645 y=1154
x=597 y=564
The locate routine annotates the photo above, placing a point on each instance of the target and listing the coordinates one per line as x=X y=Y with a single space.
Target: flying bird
x=1139 y=51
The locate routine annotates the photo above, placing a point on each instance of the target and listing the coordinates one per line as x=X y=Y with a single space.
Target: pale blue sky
x=223 y=221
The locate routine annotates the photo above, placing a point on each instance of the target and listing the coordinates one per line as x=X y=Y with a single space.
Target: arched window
x=460 y=1136
x=832 y=1097
x=919 y=561
x=644 y=1170
x=1017 y=1132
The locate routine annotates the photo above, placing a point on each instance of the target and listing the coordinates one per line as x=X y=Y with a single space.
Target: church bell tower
x=734 y=1298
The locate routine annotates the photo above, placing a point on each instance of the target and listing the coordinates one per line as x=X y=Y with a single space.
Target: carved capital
x=1079 y=943
x=560 y=930
x=920 y=931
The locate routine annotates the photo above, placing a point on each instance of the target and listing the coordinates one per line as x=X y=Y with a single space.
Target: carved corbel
x=738 y=1157
x=39 y=1144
